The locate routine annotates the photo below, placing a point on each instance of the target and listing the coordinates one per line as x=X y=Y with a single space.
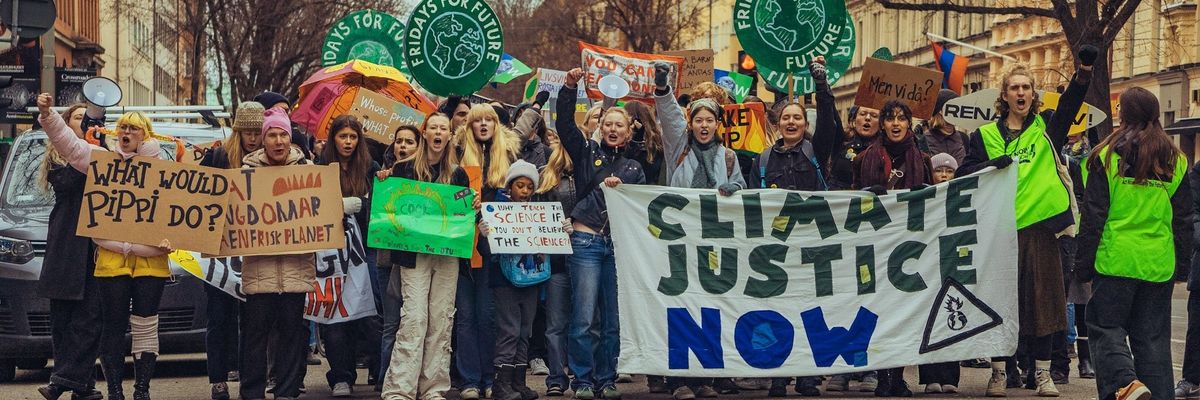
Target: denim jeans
x=558 y=315
x=592 y=350
x=221 y=338
x=1072 y=334
x=391 y=318
x=1129 y=323
x=475 y=328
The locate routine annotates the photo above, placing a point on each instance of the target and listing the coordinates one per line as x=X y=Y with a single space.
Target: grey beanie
x=519 y=169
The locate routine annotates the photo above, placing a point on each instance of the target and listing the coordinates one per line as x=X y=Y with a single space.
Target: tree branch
x=1114 y=26
x=967 y=9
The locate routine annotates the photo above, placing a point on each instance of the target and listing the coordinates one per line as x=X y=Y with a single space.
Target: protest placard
x=550 y=81
x=526 y=228
x=884 y=80
x=745 y=128
x=380 y=115
x=223 y=273
x=777 y=283
x=283 y=210
x=635 y=68
x=422 y=217
x=475 y=177
x=968 y=113
x=453 y=47
x=736 y=84
x=148 y=201
x=697 y=68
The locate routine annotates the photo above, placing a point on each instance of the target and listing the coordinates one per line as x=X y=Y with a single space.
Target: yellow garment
x=112 y=264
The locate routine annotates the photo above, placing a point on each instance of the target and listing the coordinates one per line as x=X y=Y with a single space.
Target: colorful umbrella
x=330 y=93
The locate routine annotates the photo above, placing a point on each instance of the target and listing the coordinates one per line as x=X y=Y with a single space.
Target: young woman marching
x=646 y=146
x=1043 y=205
x=68 y=272
x=557 y=183
x=404 y=145
x=491 y=147
x=1136 y=201
x=221 y=338
x=125 y=273
x=347 y=147
x=592 y=350
x=419 y=365
x=861 y=128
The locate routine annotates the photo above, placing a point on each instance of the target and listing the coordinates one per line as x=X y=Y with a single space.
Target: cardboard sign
x=293 y=209
x=885 y=80
x=422 y=217
x=526 y=228
x=145 y=200
x=697 y=68
x=968 y=113
x=784 y=35
x=381 y=116
x=745 y=127
x=635 y=68
x=551 y=81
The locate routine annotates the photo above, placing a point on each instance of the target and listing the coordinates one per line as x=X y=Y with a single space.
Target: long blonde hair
x=559 y=164
x=504 y=149
x=53 y=158
x=421 y=160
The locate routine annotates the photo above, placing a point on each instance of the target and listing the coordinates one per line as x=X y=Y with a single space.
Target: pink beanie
x=276 y=118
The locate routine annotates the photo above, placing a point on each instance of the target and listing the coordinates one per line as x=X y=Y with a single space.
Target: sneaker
x=1186 y=390
x=705 y=392
x=538 y=367
x=232 y=376
x=271 y=385
x=610 y=392
x=868 y=383
x=976 y=363
x=583 y=393
x=487 y=393
x=837 y=383
x=752 y=383
x=949 y=389
x=933 y=388
x=1045 y=384
x=1134 y=391
x=683 y=393
x=726 y=386
x=997 y=386
x=342 y=389
x=554 y=391
x=469 y=394
x=302 y=388
x=220 y=391
x=656 y=384
x=624 y=378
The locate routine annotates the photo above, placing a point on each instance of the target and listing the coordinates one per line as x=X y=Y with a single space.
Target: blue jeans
x=558 y=316
x=1072 y=334
x=592 y=350
x=391 y=321
x=475 y=329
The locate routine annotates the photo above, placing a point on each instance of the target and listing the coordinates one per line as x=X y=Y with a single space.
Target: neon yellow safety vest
x=1041 y=193
x=1138 y=241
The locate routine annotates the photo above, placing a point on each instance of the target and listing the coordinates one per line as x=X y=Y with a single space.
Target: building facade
x=148 y=51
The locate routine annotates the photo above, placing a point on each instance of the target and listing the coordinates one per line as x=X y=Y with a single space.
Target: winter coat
x=792 y=169
x=285 y=273
x=933 y=142
x=841 y=162
x=70 y=258
x=676 y=140
x=533 y=150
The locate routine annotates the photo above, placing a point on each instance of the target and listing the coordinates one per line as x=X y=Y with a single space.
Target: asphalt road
x=183 y=377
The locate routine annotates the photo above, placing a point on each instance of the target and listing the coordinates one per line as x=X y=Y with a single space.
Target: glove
x=728 y=189
x=1001 y=162
x=878 y=190
x=351 y=205
x=542 y=98
x=1088 y=54
x=661 y=72
x=818 y=71
x=684 y=100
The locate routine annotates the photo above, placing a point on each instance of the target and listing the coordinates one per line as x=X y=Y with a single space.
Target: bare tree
x=543 y=34
x=1095 y=22
x=649 y=26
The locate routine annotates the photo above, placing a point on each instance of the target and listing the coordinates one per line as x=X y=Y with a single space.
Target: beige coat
x=291 y=273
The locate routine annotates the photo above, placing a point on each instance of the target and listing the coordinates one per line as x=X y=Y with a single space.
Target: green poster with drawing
x=422 y=217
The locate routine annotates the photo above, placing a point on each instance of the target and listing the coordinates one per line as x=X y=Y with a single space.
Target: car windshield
x=24 y=186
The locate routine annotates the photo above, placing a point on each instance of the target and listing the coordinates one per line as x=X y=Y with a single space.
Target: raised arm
x=670 y=117
x=77 y=151
x=569 y=134
x=828 y=130
x=1071 y=100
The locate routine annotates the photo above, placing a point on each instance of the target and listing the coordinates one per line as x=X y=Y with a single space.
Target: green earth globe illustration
x=789 y=25
x=457 y=45
x=371 y=51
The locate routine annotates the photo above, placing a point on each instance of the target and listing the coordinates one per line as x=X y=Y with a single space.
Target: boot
x=1085 y=360
x=143 y=370
x=518 y=382
x=114 y=372
x=502 y=386
x=53 y=391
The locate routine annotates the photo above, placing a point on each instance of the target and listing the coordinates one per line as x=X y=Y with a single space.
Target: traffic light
x=5 y=82
x=746 y=66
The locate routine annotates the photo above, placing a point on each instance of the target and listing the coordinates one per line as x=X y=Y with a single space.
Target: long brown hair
x=1146 y=151
x=354 y=170
x=558 y=166
x=645 y=120
x=422 y=162
x=53 y=158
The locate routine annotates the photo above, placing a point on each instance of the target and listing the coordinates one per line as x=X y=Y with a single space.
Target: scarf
x=704 y=177
x=877 y=165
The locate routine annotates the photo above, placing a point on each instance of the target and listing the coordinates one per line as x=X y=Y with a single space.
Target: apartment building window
x=139 y=95
x=139 y=35
x=164 y=83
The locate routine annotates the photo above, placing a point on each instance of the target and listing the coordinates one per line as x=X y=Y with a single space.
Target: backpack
x=806 y=149
x=730 y=157
x=525 y=270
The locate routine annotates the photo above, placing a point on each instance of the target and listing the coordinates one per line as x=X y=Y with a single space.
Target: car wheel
x=32 y=363
x=8 y=370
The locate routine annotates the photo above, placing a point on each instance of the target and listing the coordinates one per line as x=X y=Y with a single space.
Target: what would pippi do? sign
x=369 y=35
x=778 y=283
x=453 y=47
x=784 y=35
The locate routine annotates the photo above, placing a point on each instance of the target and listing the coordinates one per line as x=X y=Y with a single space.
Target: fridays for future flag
x=510 y=68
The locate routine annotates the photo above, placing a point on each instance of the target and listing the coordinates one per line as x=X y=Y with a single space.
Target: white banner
x=342 y=289
x=526 y=228
x=775 y=283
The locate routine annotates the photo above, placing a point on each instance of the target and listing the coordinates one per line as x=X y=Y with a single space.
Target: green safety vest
x=1137 y=241
x=1041 y=192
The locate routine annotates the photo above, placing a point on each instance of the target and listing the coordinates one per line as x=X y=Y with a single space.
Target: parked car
x=24 y=215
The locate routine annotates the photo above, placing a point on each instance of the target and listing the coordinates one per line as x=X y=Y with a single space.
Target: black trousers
x=283 y=315
x=221 y=340
x=946 y=373
x=120 y=296
x=1191 y=349
x=75 y=335
x=537 y=342
x=1130 y=326
x=344 y=341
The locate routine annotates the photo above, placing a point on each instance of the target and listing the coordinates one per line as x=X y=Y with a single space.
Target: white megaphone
x=613 y=88
x=100 y=93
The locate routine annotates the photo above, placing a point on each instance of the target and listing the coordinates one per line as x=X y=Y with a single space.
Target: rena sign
x=972 y=111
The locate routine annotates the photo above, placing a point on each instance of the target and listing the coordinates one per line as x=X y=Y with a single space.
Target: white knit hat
x=944 y=160
x=519 y=169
